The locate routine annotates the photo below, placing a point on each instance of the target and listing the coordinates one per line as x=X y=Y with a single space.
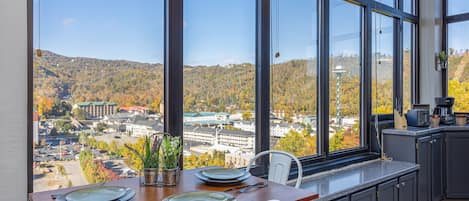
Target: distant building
x=241 y=140
x=206 y=118
x=234 y=160
x=140 y=126
x=97 y=110
x=276 y=129
x=36 y=120
x=133 y=109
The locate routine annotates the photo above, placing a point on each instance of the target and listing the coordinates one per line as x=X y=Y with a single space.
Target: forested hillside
x=206 y=88
x=458 y=84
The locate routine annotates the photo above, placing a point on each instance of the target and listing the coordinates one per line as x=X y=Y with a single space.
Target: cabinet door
x=457 y=165
x=437 y=168
x=408 y=187
x=424 y=159
x=365 y=195
x=388 y=191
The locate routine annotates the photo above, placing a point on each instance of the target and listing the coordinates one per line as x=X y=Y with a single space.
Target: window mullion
x=323 y=79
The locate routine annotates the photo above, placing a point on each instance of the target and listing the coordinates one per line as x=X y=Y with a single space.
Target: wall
x=13 y=100
x=430 y=44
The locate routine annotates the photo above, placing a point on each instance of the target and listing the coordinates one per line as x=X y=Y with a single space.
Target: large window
x=97 y=86
x=458 y=53
x=241 y=78
x=219 y=80
x=293 y=71
x=458 y=68
x=345 y=75
x=382 y=64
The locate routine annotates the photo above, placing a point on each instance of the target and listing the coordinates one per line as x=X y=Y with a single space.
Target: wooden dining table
x=189 y=182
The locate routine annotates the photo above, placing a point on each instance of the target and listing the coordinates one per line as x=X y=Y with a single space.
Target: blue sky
x=215 y=31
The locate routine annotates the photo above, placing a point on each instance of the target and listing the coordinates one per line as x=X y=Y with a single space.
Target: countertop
x=336 y=183
x=418 y=131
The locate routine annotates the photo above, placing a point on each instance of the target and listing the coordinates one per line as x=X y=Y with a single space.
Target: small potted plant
x=150 y=159
x=172 y=150
x=442 y=60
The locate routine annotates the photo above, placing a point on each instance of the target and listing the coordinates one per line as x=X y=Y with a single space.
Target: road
x=73 y=170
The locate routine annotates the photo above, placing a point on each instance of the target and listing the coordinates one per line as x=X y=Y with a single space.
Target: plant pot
x=435 y=121
x=150 y=176
x=170 y=177
x=461 y=119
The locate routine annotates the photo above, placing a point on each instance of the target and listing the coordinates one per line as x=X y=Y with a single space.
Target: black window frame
x=173 y=79
x=448 y=19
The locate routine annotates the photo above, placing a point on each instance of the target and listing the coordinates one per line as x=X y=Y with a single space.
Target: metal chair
x=280 y=164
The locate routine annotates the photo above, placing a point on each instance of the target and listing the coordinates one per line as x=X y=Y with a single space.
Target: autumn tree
x=247 y=116
x=297 y=143
x=216 y=158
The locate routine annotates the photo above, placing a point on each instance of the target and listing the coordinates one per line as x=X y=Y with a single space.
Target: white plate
x=102 y=193
x=223 y=173
x=201 y=196
x=223 y=182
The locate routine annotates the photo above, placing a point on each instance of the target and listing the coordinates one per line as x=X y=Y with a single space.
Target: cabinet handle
x=398 y=186
x=403 y=184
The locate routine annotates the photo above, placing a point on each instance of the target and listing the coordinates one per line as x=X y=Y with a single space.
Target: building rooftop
x=99 y=103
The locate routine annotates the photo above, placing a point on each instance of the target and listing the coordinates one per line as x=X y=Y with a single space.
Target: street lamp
x=338 y=70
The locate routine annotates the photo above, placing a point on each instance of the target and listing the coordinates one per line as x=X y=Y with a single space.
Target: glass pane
x=294 y=77
x=219 y=78
x=458 y=7
x=97 y=86
x=409 y=6
x=382 y=64
x=458 y=67
x=344 y=75
x=408 y=41
x=387 y=2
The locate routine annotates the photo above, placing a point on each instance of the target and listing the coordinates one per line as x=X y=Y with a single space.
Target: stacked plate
x=101 y=193
x=201 y=196
x=222 y=176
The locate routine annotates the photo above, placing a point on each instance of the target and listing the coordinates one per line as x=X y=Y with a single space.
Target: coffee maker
x=444 y=108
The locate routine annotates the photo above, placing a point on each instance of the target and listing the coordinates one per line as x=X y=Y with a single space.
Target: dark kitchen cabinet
x=388 y=191
x=424 y=159
x=457 y=165
x=407 y=187
x=427 y=151
x=365 y=195
x=437 y=167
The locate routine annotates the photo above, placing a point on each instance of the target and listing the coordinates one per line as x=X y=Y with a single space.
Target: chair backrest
x=280 y=164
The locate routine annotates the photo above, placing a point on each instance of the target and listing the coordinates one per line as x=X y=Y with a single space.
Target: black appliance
x=444 y=108
x=419 y=115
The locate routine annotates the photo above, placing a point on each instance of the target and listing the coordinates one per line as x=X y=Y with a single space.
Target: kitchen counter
x=420 y=131
x=334 y=184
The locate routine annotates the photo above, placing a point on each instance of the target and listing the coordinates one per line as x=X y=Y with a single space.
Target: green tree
x=100 y=127
x=114 y=148
x=336 y=141
x=63 y=126
x=79 y=114
x=102 y=145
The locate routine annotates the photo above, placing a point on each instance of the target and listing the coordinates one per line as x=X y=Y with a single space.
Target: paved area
x=73 y=170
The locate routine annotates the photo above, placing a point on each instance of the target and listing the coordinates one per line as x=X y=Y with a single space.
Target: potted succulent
x=172 y=150
x=150 y=159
